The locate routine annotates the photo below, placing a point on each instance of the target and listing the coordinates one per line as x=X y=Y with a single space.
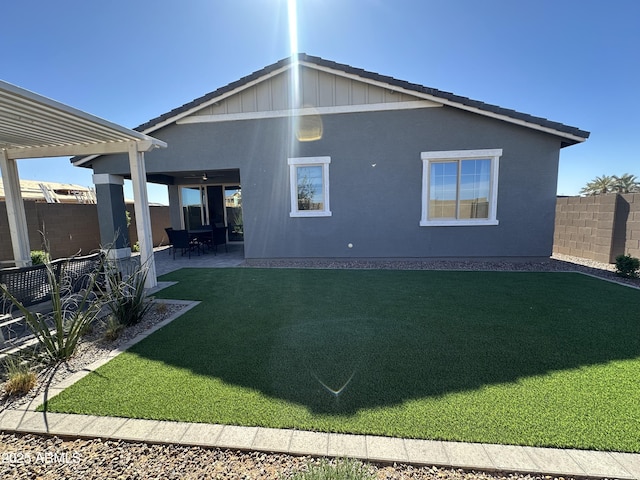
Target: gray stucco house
x=332 y=161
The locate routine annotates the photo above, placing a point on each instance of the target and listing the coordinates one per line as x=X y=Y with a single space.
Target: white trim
x=461 y=154
x=293 y=182
x=370 y=107
x=491 y=154
x=107 y=179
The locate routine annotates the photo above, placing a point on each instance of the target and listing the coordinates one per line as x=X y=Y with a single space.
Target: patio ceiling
x=33 y=126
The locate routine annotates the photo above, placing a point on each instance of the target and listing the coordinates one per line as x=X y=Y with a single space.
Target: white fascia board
x=371 y=107
x=449 y=103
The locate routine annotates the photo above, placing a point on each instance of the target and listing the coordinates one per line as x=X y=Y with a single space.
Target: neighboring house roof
x=570 y=135
x=53 y=192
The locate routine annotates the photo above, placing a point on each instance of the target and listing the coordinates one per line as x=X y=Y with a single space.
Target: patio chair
x=169 y=229
x=219 y=236
x=180 y=239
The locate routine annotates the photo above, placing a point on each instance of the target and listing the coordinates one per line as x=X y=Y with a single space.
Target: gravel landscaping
x=30 y=456
x=34 y=456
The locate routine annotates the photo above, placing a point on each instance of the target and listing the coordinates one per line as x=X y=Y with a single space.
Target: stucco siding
x=375 y=182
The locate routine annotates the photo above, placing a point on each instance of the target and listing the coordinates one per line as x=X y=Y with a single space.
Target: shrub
x=125 y=297
x=38 y=257
x=20 y=379
x=627 y=266
x=342 y=469
x=113 y=329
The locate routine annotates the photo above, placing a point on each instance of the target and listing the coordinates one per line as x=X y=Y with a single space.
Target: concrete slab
x=202 y=434
x=167 y=432
x=599 y=464
x=40 y=422
x=511 y=457
x=386 y=449
x=342 y=445
x=272 y=440
x=426 y=452
x=135 y=429
x=10 y=419
x=233 y=436
x=555 y=461
x=102 y=427
x=629 y=461
x=72 y=424
x=468 y=455
x=309 y=443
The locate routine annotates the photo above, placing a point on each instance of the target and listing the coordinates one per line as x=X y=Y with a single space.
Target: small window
x=460 y=188
x=309 y=177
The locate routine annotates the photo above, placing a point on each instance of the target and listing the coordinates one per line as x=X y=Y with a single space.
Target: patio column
x=112 y=218
x=174 y=207
x=15 y=211
x=143 y=217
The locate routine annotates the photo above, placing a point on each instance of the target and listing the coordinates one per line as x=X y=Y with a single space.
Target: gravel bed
x=42 y=457
x=31 y=456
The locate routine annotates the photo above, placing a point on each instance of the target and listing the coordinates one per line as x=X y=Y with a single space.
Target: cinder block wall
x=598 y=227
x=71 y=228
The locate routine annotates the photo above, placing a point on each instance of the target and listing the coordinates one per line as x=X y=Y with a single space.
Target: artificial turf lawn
x=543 y=359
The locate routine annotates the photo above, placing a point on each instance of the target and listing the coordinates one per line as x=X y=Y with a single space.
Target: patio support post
x=15 y=211
x=143 y=217
x=112 y=218
x=174 y=207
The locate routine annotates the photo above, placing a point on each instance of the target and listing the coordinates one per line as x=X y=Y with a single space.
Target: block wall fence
x=598 y=227
x=71 y=228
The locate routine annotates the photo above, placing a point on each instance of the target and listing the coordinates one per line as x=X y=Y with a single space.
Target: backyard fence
x=598 y=227
x=71 y=228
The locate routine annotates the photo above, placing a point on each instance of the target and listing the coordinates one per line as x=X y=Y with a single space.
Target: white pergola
x=33 y=126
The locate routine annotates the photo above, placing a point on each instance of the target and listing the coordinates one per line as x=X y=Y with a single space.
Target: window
x=460 y=188
x=309 y=186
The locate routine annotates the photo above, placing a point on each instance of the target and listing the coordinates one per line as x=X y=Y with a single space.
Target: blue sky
x=571 y=61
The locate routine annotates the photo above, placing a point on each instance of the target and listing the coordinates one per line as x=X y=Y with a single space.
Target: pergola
x=33 y=126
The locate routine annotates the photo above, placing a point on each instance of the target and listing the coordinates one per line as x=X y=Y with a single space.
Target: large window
x=309 y=178
x=460 y=187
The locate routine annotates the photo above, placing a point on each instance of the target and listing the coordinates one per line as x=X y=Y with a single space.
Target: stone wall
x=71 y=228
x=599 y=227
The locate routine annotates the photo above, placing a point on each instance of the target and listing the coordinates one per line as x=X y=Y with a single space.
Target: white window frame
x=431 y=157
x=294 y=163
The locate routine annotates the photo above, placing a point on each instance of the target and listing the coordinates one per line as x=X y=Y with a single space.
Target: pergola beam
x=82 y=149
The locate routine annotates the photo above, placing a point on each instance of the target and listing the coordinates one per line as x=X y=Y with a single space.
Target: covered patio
x=33 y=126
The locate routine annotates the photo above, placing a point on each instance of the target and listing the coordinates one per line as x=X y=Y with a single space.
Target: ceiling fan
x=204 y=176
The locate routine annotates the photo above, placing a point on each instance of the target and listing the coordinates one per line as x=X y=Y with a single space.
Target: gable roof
x=570 y=135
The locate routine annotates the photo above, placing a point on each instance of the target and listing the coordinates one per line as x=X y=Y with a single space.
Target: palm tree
x=599 y=185
x=626 y=183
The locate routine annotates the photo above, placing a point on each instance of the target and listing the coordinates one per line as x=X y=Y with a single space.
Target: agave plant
x=125 y=295
x=59 y=330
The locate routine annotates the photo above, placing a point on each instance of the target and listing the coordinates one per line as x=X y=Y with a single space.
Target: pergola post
x=143 y=216
x=15 y=211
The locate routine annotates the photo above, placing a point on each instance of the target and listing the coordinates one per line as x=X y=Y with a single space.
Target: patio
x=165 y=263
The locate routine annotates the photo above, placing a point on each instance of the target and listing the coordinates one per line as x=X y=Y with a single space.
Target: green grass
x=543 y=359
